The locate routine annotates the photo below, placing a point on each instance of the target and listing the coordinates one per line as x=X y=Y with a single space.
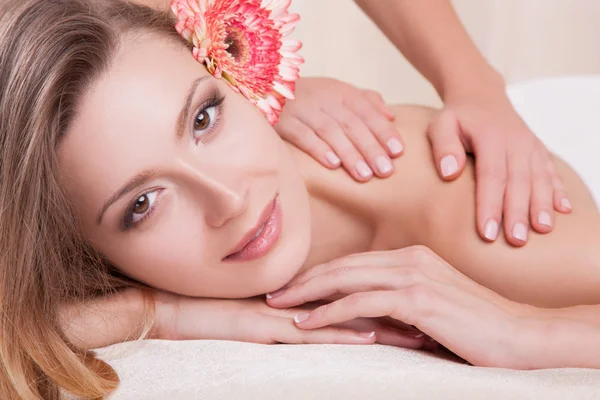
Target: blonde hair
x=51 y=51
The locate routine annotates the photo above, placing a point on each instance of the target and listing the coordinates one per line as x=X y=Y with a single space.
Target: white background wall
x=523 y=39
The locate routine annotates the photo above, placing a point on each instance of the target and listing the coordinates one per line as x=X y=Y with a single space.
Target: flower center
x=235 y=43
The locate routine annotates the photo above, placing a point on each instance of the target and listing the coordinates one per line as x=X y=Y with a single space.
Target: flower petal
x=242 y=42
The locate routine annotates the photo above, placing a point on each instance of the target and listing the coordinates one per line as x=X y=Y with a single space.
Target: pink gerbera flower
x=243 y=42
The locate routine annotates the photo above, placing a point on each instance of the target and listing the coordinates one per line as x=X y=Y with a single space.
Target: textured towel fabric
x=232 y=370
x=564 y=113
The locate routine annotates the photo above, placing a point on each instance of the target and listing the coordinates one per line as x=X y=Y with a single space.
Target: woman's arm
x=564 y=337
x=105 y=320
x=415 y=286
x=429 y=34
x=151 y=314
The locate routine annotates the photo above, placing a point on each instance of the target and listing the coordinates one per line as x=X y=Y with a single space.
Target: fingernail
x=384 y=165
x=367 y=335
x=490 y=230
x=519 y=232
x=565 y=203
x=301 y=317
x=275 y=294
x=363 y=169
x=449 y=166
x=395 y=146
x=545 y=219
x=332 y=158
x=416 y=334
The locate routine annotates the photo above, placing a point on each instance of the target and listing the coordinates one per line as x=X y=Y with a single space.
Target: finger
x=365 y=305
x=373 y=259
x=376 y=99
x=411 y=255
x=490 y=171
x=448 y=150
x=345 y=280
x=283 y=330
x=541 y=207
x=334 y=135
x=445 y=313
x=381 y=128
x=359 y=134
x=517 y=199
x=301 y=136
x=404 y=339
x=388 y=335
x=399 y=325
x=560 y=199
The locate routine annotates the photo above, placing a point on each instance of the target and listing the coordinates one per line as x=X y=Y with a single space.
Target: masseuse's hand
x=517 y=183
x=416 y=287
x=339 y=124
x=252 y=320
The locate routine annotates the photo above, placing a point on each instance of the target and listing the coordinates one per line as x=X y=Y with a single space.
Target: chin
x=286 y=268
x=275 y=271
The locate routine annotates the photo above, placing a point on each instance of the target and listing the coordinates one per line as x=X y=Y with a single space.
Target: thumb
x=448 y=150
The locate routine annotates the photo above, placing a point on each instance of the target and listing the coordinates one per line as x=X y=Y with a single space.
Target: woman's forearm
x=562 y=338
x=107 y=320
x=430 y=35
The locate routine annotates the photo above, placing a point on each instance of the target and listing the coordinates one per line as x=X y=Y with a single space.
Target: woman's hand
x=339 y=124
x=247 y=320
x=252 y=320
x=416 y=287
x=517 y=183
x=128 y=315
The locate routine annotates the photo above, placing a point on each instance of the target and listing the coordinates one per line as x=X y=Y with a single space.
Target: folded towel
x=232 y=370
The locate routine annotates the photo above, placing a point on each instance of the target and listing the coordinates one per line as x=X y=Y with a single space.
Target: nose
x=223 y=192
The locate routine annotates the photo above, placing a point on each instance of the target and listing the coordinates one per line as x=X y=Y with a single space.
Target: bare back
x=414 y=206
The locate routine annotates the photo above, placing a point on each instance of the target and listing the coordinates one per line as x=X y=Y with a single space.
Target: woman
x=114 y=166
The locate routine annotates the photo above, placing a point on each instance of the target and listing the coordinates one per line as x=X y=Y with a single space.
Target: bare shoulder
x=411 y=121
x=394 y=199
x=413 y=117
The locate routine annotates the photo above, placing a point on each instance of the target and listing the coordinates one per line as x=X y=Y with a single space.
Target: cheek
x=170 y=253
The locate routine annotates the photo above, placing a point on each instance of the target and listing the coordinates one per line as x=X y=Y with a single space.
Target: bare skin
x=413 y=207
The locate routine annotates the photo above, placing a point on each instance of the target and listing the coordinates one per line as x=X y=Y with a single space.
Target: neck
x=337 y=229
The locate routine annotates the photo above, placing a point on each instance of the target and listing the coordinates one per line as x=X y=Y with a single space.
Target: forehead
x=145 y=83
x=146 y=72
x=146 y=68
x=136 y=101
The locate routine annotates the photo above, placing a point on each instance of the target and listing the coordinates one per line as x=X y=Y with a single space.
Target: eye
x=140 y=209
x=204 y=121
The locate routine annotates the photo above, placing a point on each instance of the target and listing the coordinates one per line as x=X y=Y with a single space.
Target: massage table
x=565 y=113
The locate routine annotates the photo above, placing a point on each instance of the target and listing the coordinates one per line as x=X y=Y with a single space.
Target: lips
x=259 y=240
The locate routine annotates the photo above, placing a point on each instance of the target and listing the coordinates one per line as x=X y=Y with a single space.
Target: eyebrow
x=136 y=181
x=185 y=111
x=146 y=175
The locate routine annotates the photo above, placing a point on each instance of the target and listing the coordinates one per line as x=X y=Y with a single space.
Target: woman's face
x=180 y=181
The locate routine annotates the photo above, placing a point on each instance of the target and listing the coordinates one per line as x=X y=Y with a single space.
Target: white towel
x=231 y=370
